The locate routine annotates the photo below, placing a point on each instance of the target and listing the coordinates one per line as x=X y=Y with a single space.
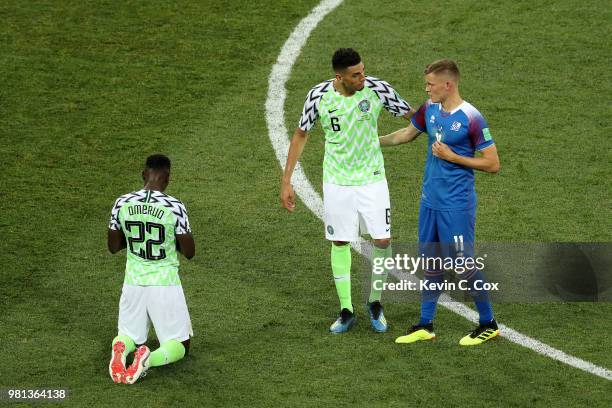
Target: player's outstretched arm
x=409 y=114
x=405 y=135
x=489 y=161
x=185 y=245
x=115 y=241
x=287 y=195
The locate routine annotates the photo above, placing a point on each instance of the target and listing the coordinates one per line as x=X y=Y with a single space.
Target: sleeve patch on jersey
x=487 y=134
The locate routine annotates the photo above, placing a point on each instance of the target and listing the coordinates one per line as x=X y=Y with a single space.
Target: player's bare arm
x=115 y=241
x=287 y=195
x=185 y=245
x=488 y=162
x=404 y=135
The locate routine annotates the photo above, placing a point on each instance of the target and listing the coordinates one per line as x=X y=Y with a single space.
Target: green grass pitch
x=90 y=88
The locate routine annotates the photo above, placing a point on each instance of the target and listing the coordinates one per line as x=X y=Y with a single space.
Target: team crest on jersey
x=455 y=126
x=364 y=106
x=432 y=119
x=330 y=230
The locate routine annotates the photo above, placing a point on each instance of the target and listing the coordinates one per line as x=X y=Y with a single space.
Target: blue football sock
x=429 y=298
x=481 y=297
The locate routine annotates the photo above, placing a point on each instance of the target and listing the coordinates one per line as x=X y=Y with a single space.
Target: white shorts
x=164 y=306
x=351 y=209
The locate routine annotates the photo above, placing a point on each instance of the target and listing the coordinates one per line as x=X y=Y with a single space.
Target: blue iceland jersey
x=446 y=185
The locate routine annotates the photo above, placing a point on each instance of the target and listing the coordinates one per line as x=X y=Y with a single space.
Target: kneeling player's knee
x=382 y=243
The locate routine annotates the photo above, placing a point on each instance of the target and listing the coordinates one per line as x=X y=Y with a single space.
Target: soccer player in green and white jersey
x=355 y=192
x=153 y=226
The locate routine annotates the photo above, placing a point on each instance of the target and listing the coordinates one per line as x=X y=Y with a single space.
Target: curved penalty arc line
x=277 y=132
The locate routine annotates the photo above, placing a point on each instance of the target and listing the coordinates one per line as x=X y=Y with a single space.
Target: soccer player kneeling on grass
x=355 y=192
x=447 y=216
x=153 y=226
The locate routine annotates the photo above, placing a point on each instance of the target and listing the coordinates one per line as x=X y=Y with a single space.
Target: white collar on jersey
x=461 y=105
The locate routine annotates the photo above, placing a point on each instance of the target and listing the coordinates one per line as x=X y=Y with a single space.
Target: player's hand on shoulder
x=408 y=115
x=287 y=197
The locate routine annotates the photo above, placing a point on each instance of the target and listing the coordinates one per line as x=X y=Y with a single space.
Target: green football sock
x=380 y=279
x=170 y=351
x=130 y=346
x=341 y=268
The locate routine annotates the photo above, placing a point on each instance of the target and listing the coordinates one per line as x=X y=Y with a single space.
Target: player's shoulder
x=470 y=111
x=389 y=97
x=378 y=85
x=177 y=208
x=139 y=195
x=477 y=124
x=168 y=201
x=430 y=106
x=320 y=89
x=372 y=81
x=311 y=104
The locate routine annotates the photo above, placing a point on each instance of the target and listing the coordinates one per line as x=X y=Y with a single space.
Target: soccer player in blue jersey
x=447 y=215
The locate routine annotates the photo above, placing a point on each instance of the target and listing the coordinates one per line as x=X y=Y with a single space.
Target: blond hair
x=446 y=66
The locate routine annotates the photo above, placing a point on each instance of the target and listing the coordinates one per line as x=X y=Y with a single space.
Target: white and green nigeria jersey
x=149 y=220
x=352 y=150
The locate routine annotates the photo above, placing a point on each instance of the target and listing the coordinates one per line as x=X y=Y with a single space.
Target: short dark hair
x=344 y=58
x=158 y=162
x=446 y=66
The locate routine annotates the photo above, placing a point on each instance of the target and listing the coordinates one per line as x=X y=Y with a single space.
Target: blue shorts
x=446 y=233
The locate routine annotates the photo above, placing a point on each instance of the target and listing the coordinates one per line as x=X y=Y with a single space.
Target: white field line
x=275 y=118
